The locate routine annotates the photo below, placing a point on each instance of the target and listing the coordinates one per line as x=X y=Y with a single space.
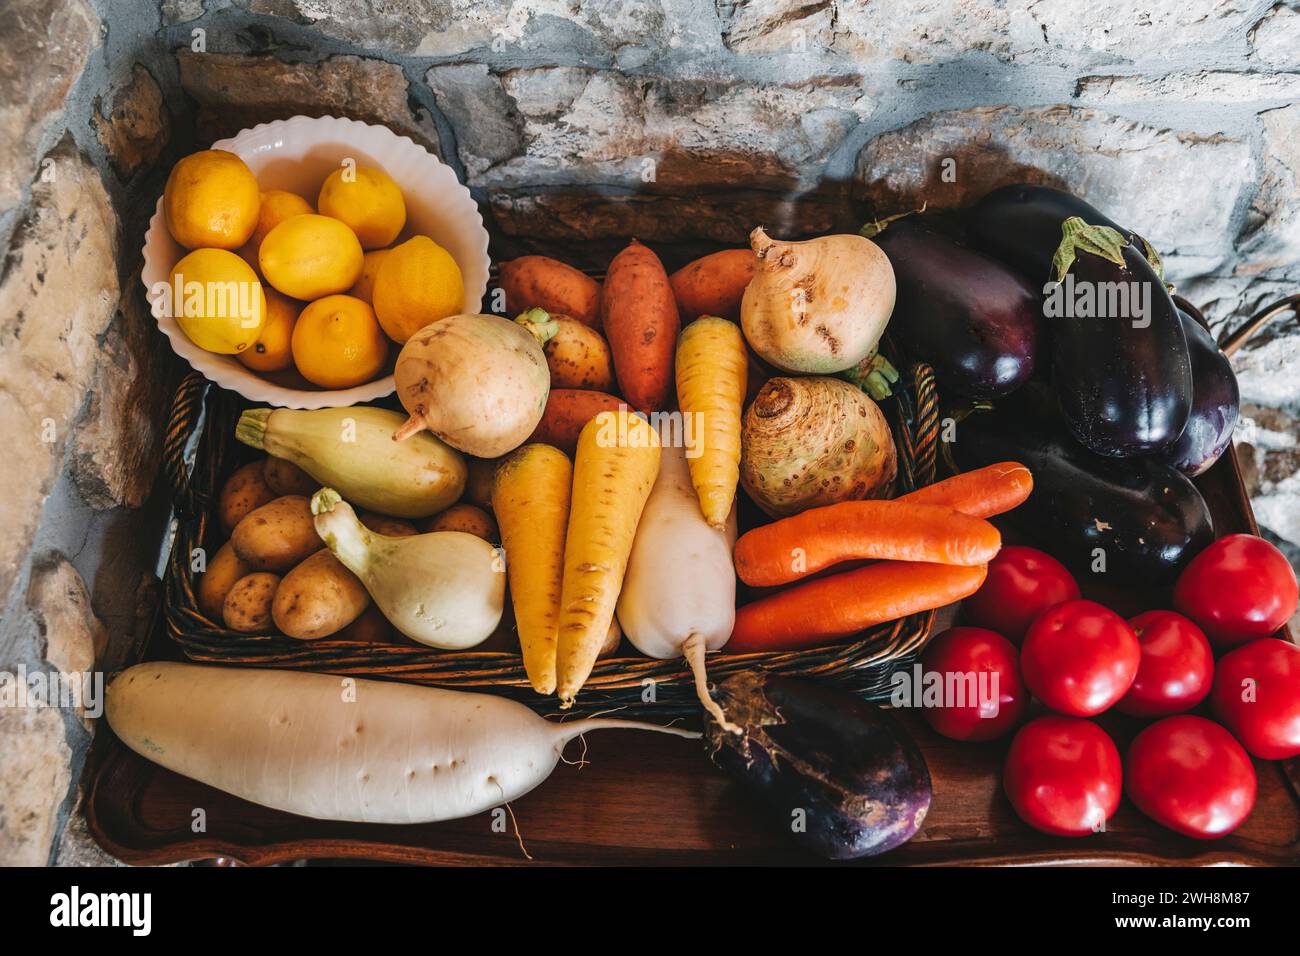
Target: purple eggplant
x=1147 y=519
x=1215 y=404
x=1021 y=225
x=966 y=314
x=839 y=774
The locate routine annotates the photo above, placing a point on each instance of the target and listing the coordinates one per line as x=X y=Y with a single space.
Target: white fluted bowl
x=296 y=155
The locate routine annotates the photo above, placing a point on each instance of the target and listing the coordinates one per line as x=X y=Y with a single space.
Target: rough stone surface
x=136 y=127
x=181 y=11
x=1140 y=174
x=57 y=298
x=74 y=637
x=1272 y=241
x=46 y=44
x=1205 y=86
x=1276 y=38
x=235 y=91
x=36 y=759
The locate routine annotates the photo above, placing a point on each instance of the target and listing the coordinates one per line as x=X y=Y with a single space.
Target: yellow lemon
x=337 y=343
x=211 y=201
x=365 y=287
x=272 y=351
x=418 y=282
x=367 y=200
x=309 y=256
x=217 y=300
x=277 y=205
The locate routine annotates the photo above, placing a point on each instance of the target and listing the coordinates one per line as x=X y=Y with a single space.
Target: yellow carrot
x=614 y=469
x=530 y=497
x=712 y=367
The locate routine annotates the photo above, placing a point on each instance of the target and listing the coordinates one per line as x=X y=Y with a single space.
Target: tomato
x=1021 y=584
x=1238 y=589
x=1190 y=775
x=1257 y=696
x=984 y=712
x=1063 y=775
x=1079 y=658
x=1176 y=668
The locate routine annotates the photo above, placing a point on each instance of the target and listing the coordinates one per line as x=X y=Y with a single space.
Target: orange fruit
x=337 y=343
x=418 y=282
x=272 y=352
x=367 y=200
x=211 y=201
x=365 y=285
x=276 y=206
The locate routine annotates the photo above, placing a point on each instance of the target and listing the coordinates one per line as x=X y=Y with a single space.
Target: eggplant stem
x=1077 y=236
x=693 y=651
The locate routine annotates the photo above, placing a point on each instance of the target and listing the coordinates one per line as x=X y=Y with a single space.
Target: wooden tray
x=648 y=799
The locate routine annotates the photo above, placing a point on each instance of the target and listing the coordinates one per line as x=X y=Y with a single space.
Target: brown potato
x=277 y=535
x=371 y=627
x=218 y=578
x=244 y=491
x=318 y=598
x=578 y=357
x=382 y=524
x=286 y=478
x=478 y=486
x=247 y=608
x=613 y=637
x=465 y=518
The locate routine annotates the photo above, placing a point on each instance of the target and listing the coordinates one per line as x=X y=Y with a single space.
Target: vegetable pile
x=699 y=462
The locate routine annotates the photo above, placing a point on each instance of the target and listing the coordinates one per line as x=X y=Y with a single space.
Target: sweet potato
x=540 y=282
x=640 y=319
x=567 y=411
x=714 y=284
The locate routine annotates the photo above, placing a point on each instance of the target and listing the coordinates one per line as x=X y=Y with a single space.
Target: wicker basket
x=201 y=450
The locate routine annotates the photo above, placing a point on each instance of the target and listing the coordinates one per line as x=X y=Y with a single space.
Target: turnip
x=478 y=382
x=338 y=748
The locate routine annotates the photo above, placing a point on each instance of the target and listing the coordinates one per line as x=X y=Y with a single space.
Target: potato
x=478 y=486
x=371 y=627
x=578 y=357
x=382 y=524
x=613 y=637
x=465 y=518
x=244 y=491
x=277 y=535
x=318 y=598
x=286 y=478
x=247 y=608
x=218 y=578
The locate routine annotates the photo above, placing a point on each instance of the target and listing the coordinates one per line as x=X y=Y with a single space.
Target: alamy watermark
x=77 y=690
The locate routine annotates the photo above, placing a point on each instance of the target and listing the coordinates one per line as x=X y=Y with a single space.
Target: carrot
x=640 y=320
x=540 y=282
x=567 y=411
x=714 y=284
x=711 y=371
x=615 y=468
x=827 y=609
x=803 y=544
x=530 y=498
x=981 y=493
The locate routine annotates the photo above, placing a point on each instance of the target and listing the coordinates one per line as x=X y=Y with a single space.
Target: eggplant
x=1215 y=404
x=839 y=774
x=966 y=314
x=1021 y=225
x=1148 y=519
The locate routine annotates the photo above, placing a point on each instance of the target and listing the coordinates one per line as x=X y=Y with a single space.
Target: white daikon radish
x=337 y=748
x=679 y=595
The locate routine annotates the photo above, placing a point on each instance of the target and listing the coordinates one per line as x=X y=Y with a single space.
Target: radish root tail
x=693 y=650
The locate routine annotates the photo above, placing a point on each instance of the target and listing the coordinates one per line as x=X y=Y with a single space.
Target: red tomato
x=1190 y=775
x=1257 y=696
x=1238 y=589
x=1063 y=775
x=1176 y=668
x=1079 y=658
x=1021 y=584
x=962 y=654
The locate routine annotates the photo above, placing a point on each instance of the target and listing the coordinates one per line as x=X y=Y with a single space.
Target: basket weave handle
x=919 y=445
x=186 y=413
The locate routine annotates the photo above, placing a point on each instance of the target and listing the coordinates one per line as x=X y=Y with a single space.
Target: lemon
x=337 y=343
x=211 y=201
x=271 y=352
x=221 y=305
x=367 y=200
x=309 y=256
x=418 y=282
x=365 y=286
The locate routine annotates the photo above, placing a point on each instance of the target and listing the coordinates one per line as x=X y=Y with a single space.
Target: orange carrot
x=640 y=319
x=803 y=544
x=828 y=609
x=981 y=493
x=714 y=284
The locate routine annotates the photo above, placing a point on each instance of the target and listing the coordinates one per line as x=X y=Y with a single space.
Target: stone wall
x=576 y=125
